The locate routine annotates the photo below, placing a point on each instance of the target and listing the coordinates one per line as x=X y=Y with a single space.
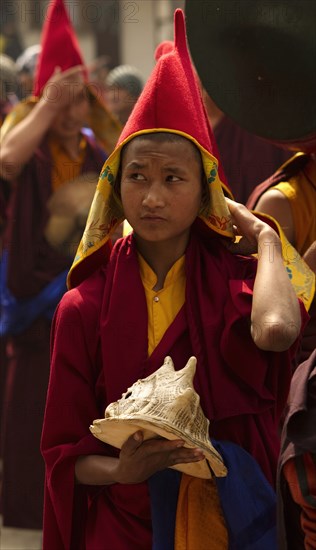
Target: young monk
x=172 y=287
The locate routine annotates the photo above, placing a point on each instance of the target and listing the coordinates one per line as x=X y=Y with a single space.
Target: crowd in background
x=247 y=161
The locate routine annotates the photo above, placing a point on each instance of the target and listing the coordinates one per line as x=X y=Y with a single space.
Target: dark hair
x=126 y=77
x=165 y=137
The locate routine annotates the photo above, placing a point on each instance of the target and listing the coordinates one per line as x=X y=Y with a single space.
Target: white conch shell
x=163 y=404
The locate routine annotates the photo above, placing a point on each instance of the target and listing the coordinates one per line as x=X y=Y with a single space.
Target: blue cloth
x=17 y=315
x=247 y=499
x=164 y=490
x=88 y=133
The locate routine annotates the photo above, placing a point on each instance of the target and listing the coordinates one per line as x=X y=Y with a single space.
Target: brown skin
x=138 y=460
x=68 y=123
x=275 y=204
x=275 y=314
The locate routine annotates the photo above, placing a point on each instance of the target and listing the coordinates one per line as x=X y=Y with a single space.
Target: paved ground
x=19 y=539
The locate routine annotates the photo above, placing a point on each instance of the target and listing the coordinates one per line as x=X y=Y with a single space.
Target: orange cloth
x=300 y=474
x=200 y=524
x=162 y=306
x=300 y=190
x=64 y=167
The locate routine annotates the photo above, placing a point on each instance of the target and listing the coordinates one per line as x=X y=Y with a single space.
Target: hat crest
x=171 y=92
x=180 y=38
x=170 y=102
x=60 y=46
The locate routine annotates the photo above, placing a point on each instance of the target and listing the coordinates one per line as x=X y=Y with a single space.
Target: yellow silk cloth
x=200 y=524
x=162 y=305
x=65 y=168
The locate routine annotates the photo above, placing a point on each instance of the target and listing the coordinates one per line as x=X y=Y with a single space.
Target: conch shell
x=165 y=404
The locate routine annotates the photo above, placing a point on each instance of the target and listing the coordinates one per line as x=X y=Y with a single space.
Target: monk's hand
x=140 y=459
x=247 y=228
x=64 y=87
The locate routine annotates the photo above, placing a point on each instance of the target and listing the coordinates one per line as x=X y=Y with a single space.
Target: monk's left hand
x=248 y=229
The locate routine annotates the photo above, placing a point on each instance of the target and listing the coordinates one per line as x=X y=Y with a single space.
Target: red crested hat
x=164 y=47
x=60 y=47
x=171 y=99
x=170 y=102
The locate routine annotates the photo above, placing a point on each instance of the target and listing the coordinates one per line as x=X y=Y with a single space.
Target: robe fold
x=99 y=349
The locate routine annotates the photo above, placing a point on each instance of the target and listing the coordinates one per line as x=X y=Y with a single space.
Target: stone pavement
x=19 y=539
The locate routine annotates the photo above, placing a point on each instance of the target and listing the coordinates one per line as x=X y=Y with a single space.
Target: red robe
x=99 y=348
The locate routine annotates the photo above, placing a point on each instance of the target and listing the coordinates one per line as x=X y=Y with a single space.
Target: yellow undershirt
x=64 y=167
x=300 y=191
x=162 y=306
x=200 y=523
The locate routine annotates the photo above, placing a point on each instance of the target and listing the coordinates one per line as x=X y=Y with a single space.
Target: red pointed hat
x=164 y=47
x=60 y=47
x=170 y=102
x=171 y=99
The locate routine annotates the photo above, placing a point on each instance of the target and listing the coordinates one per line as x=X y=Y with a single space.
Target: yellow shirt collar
x=149 y=277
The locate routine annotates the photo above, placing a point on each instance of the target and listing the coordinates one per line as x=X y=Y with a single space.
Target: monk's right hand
x=140 y=459
x=64 y=87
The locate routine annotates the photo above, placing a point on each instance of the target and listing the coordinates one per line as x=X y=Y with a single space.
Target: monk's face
x=70 y=120
x=120 y=103
x=161 y=188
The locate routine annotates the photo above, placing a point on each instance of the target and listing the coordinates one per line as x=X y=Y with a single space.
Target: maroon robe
x=247 y=159
x=100 y=347
x=5 y=191
x=32 y=264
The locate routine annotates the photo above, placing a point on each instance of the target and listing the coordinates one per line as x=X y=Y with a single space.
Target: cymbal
x=256 y=60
